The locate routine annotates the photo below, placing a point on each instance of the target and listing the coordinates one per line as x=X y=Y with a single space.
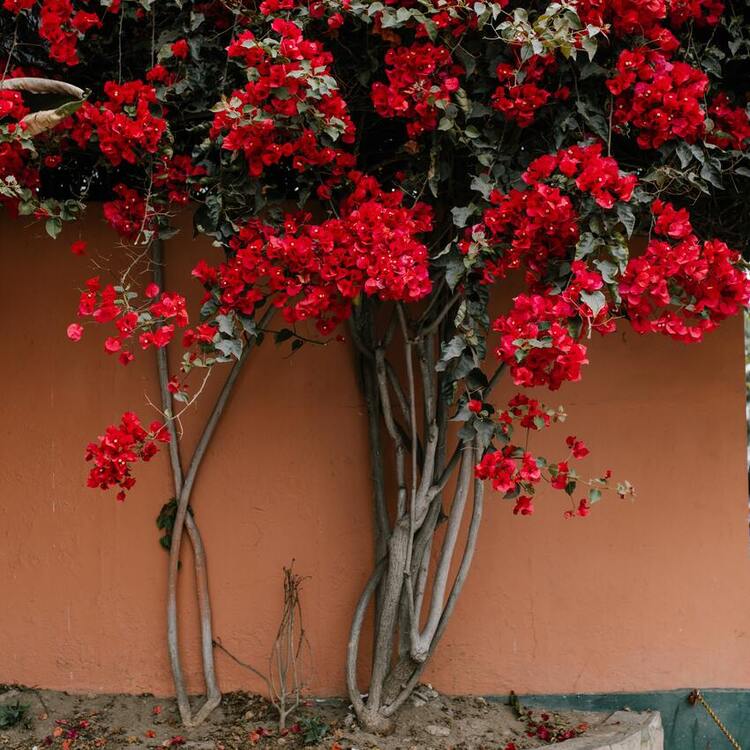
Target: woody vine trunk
x=411 y=592
x=184 y=520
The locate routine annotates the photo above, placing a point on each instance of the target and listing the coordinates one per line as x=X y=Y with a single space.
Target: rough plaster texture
x=644 y=595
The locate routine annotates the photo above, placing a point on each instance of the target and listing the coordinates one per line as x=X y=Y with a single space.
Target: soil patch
x=428 y=721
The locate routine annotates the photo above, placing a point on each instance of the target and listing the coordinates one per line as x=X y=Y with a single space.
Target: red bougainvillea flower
x=731 y=125
x=75 y=331
x=127 y=214
x=516 y=472
x=534 y=227
x=702 y=12
x=16 y=6
x=679 y=286
x=419 y=76
x=263 y=121
x=660 y=99
x=520 y=94
x=124 y=124
x=118 y=448
x=153 y=322
x=625 y=16
x=314 y=271
x=174 y=176
x=12 y=106
x=180 y=48
x=577 y=447
x=61 y=27
x=78 y=247
x=540 y=341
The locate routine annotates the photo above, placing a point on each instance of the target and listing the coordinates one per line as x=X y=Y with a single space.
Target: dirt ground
x=429 y=721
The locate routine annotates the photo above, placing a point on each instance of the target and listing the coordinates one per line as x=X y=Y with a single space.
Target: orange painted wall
x=646 y=595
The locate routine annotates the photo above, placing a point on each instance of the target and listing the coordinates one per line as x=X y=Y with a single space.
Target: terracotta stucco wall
x=646 y=595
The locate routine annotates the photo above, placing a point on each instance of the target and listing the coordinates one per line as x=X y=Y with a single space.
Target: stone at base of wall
x=623 y=730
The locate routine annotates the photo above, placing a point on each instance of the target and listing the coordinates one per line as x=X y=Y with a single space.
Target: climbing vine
x=377 y=173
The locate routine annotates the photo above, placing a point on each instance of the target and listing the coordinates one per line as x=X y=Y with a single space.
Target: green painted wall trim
x=686 y=727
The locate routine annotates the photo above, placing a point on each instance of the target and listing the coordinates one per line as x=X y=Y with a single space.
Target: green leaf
x=586 y=245
x=53 y=227
x=476 y=380
x=229 y=347
x=485 y=431
x=482 y=184
x=226 y=324
x=595 y=301
x=627 y=217
x=454 y=272
x=461 y=214
x=712 y=175
x=450 y=351
x=283 y=335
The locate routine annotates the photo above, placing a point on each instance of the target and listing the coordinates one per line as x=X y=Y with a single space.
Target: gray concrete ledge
x=623 y=730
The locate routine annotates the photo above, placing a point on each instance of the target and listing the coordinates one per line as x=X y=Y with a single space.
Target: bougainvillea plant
x=385 y=172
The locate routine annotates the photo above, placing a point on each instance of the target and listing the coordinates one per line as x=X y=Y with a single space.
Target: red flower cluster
x=731 y=125
x=12 y=106
x=525 y=228
x=659 y=98
x=280 y=113
x=680 y=287
x=419 y=77
x=589 y=170
x=314 y=271
x=126 y=214
x=153 y=322
x=17 y=6
x=124 y=124
x=702 y=12
x=519 y=95
x=533 y=227
x=173 y=176
x=62 y=27
x=528 y=412
x=625 y=16
x=119 y=447
x=180 y=49
x=15 y=163
x=317 y=9
x=585 y=281
x=452 y=15
x=516 y=472
x=540 y=340
x=645 y=17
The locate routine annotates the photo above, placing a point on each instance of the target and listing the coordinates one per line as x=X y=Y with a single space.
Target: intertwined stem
x=410 y=615
x=183 y=483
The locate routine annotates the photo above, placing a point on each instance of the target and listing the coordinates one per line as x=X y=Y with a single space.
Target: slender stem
x=458 y=584
x=446 y=556
x=372 y=402
x=218 y=644
x=183 y=703
x=213 y=694
x=355 y=633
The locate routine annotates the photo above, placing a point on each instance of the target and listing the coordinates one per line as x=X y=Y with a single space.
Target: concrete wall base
x=623 y=730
